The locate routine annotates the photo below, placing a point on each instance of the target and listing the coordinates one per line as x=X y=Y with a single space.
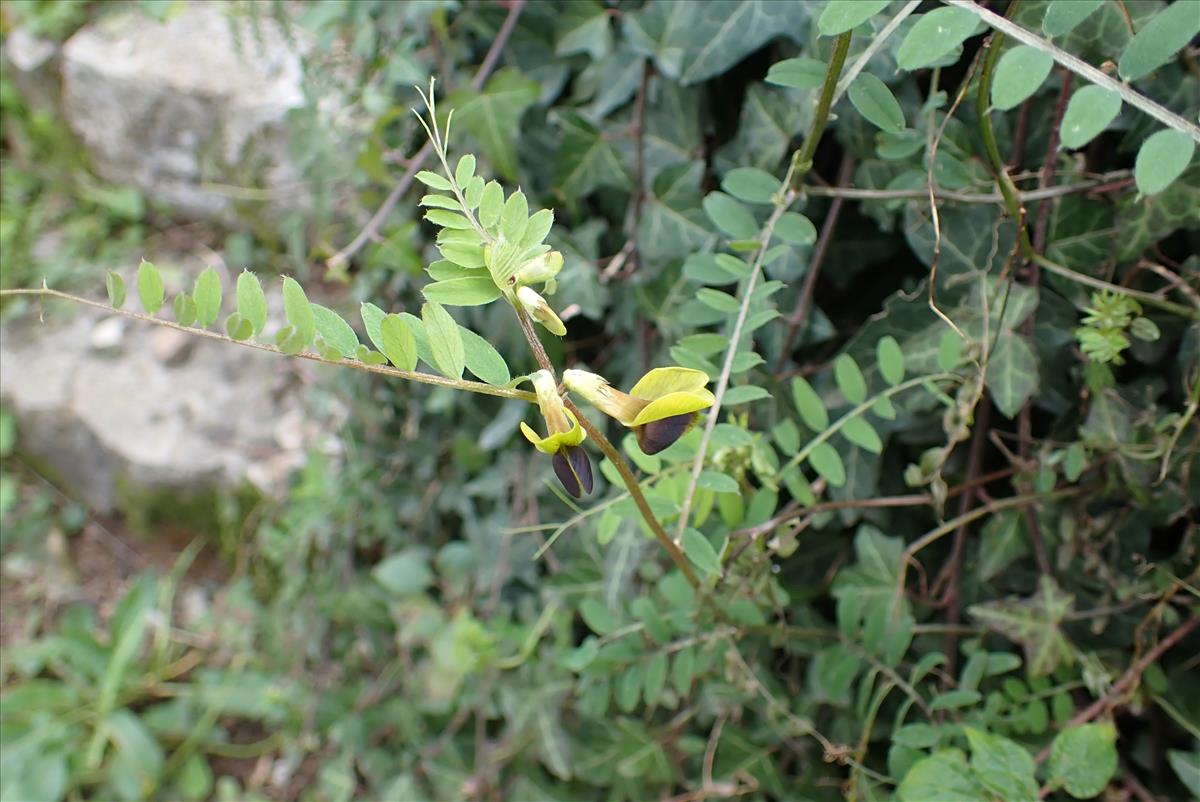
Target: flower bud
x=541 y=269
x=540 y=311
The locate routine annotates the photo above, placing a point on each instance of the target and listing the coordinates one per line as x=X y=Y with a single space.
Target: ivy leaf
x=1012 y=373
x=944 y=775
x=445 y=341
x=583 y=27
x=1083 y=759
x=1157 y=42
x=1089 y=112
x=1162 y=158
x=1004 y=767
x=1034 y=623
x=1018 y=75
x=251 y=301
x=876 y=103
x=868 y=609
x=207 y=295
x=845 y=15
x=934 y=36
x=587 y=159
x=150 y=287
x=493 y=116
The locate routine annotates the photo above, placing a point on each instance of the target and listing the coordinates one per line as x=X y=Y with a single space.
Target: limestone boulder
x=191 y=110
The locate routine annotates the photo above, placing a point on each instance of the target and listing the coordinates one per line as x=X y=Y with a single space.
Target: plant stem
x=1081 y=68
x=383 y=370
x=610 y=451
x=635 y=492
x=800 y=164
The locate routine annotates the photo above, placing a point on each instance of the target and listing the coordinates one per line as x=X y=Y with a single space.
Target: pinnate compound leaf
x=828 y=463
x=809 y=405
x=251 y=301
x=115 y=285
x=750 y=184
x=1083 y=759
x=844 y=15
x=1003 y=766
x=298 y=310
x=1168 y=32
x=445 y=341
x=334 y=331
x=207 y=296
x=1018 y=75
x=482 y=359
x=372 y=316
x=396 y=341
x=468 y=291
x=862 y=434
x=891 y=360
x=935 y=35
x=184 y=308
x=796 y=229
x=701 y=552
x=876 y=103
x=797 y=73
x=1089 y=112
x=150 y=287
x=1063 y=15
x=1162 y=158
x=850 y=379
x=734 y=219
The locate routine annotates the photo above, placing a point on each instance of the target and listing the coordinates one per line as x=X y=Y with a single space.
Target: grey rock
x=182 y=107
x=116 y=409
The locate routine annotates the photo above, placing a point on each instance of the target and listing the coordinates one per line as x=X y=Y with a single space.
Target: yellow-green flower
x=564 y=434
x=540 y=311
x=660 y=408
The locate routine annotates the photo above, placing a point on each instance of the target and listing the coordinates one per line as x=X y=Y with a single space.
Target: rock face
x=118 y=410
x=176 y=107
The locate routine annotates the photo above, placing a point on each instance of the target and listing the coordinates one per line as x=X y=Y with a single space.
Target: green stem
x=802 y=160
x=1012 y=199
x=383 y=370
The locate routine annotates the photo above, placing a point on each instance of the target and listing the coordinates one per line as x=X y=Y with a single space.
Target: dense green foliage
x=938 y=531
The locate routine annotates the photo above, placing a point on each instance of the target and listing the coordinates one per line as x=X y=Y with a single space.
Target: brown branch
x=845 y=173
x=371 y=229
x=1128 y=679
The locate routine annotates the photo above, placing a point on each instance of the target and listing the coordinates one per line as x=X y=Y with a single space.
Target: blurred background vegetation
x=382 y=619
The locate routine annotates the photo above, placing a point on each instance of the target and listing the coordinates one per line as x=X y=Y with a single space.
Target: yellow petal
x=552 y=443
x=662 y=381
x=675 y=404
